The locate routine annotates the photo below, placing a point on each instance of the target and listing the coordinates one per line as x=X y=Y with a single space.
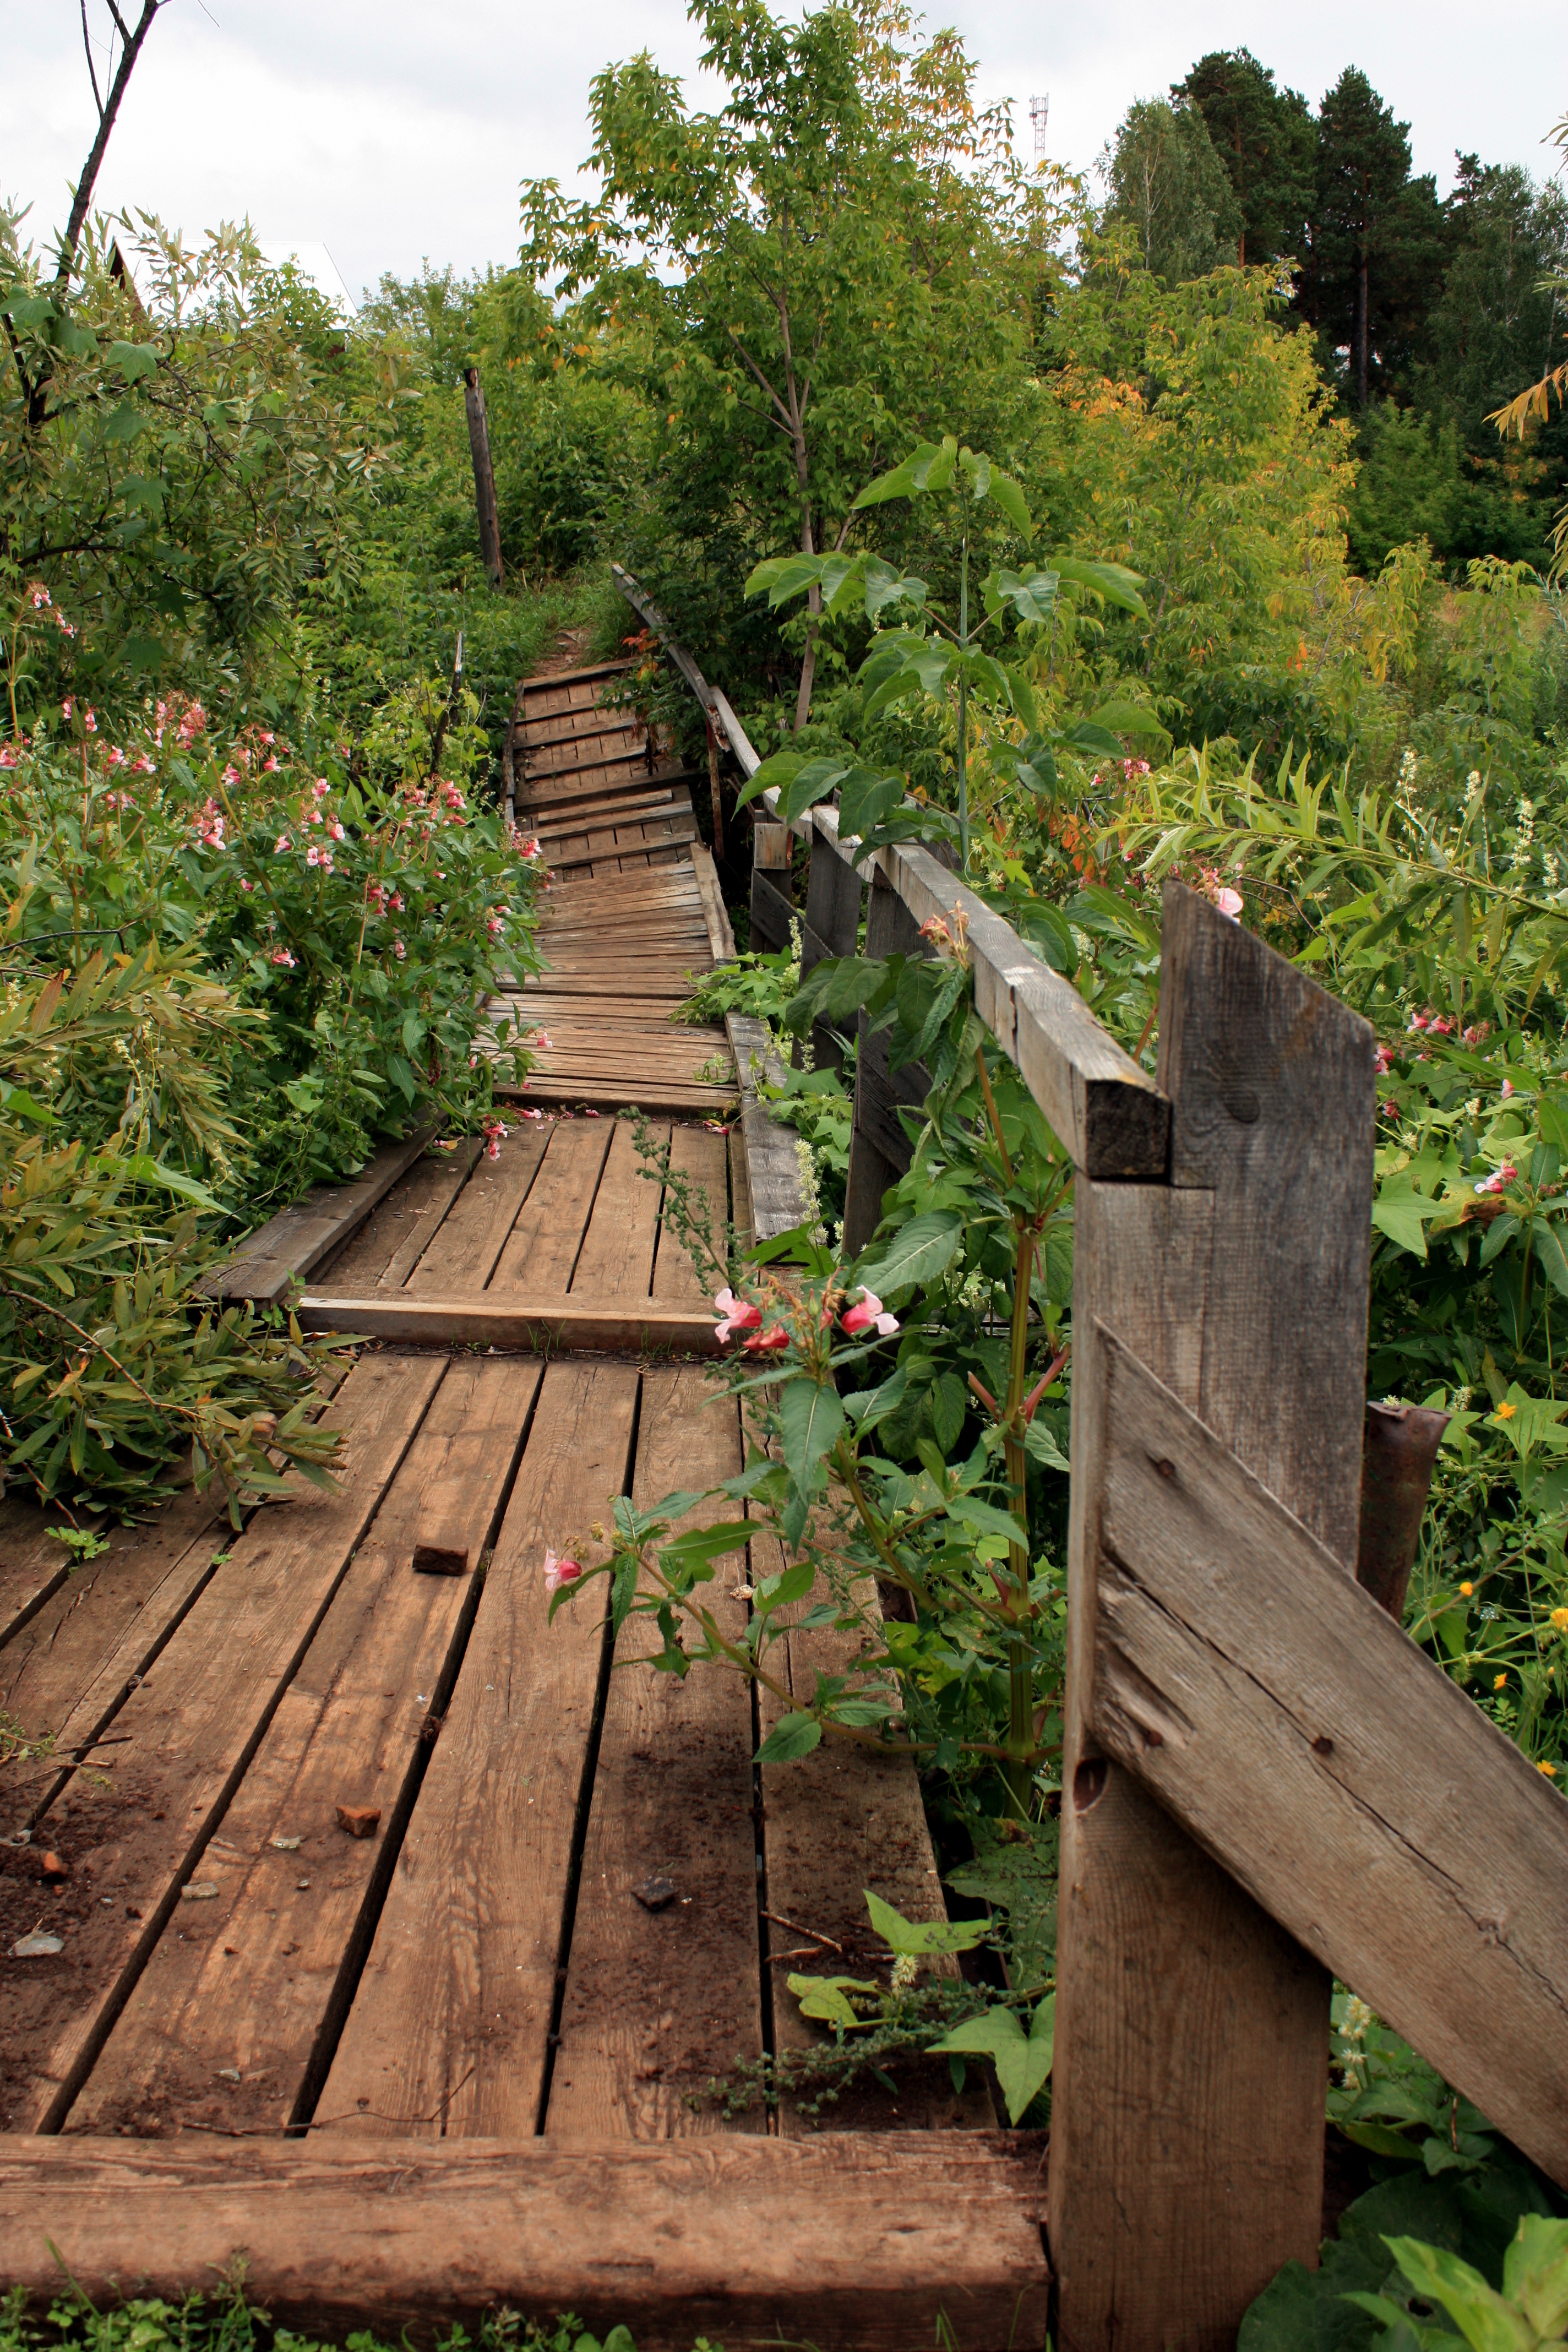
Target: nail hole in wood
x=1088 y=1783
x=1322 y=1745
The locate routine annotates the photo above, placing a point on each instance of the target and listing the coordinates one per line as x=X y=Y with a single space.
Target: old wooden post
x=771 y=846
x=879 y=1147
x=1192 y=2031
x=484 y=475
x=830 y=927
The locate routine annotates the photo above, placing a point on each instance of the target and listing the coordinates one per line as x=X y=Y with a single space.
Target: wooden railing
x=1266 y=1783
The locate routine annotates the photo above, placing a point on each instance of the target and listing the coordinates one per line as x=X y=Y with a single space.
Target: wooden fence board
x=859 y=2243
x=1187 y=2117
x=1332 y=1767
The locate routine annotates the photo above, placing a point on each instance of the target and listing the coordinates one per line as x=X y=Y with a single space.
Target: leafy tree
x=1165 y=181
x=1377 y=243
x=799 y=277
x=1267 y=141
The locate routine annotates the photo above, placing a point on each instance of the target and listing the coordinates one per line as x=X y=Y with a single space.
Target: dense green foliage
x=226 y=2320
x=253 y=880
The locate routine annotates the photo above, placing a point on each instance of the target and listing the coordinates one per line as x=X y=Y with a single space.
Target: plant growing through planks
x=973 y=1672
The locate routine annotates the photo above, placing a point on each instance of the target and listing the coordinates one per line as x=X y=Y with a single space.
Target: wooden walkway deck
x=234 y=1965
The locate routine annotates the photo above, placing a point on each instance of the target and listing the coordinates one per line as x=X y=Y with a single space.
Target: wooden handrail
x=1108 y=1114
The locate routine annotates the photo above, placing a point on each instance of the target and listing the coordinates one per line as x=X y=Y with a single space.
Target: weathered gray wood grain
x=1299 y=1735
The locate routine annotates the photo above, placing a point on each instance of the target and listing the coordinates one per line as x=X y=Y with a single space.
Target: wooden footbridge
x=461 y=2060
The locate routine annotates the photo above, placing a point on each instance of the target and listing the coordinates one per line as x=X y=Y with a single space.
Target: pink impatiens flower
x=495 y=1136
x=282 y=956
x=1230 y=903
x=736 y=1315
x=1499 y=1179
x=558 y=1573
x=870 y=1316
x=280 y=844
x=763 y=1343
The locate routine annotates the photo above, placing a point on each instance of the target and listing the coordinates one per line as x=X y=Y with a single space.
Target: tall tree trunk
x=813 y=595
x=1360 y=332
x=484 y=476
x=106 y=114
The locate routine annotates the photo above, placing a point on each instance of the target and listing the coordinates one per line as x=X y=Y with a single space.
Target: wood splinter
x=360 y=1821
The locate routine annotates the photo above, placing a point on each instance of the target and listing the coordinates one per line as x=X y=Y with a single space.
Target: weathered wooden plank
x=777 y=1196
x=1190 y=1276
x=544 y=1243
x=699 y=1159
x=1273 y=1111
x=58 y=1654
x=854 y=2243
x=231 y=2024
x=657 y=2003
x=514 y=1319
x=771 y=913
x=1329 y=1765
x=396 y=1234
x=462 y=1255
x=290 y=1245
x=34 y=1565
x=616 y=1257
x=447 y=2031
x=189 y=1730
x=559 y=679
x=720 y=938
x=838 y=1821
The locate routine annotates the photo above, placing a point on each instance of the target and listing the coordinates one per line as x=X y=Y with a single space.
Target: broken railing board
x=448 y=2029
x=293 y=1244
x=658 y=2003
x=1192 y=2030
x=233 y=2020
x=853 y=2242
x=191 y=1729
x=1332 y=1767
x=506 y=1320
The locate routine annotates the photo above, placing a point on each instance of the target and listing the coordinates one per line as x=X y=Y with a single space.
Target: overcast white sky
x=400 y=130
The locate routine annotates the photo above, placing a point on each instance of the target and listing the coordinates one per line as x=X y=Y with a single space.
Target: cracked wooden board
x=1331 y=1767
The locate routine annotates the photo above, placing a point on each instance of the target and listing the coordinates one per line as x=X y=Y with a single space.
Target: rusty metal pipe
x=1398 y=1455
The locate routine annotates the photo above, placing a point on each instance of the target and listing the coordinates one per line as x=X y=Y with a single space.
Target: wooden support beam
x=513 y=1319
x=1192 y=2030
x=1331 y=1767
x=855 y=2242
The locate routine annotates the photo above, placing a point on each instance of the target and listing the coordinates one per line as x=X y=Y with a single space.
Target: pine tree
x=1378 y=245
x=1267 y=140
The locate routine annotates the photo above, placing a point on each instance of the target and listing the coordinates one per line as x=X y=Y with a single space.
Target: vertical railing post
x=484 y=476
x=878 y=1154
x=771 y=846
x=1192 y=2031
x=829 y=927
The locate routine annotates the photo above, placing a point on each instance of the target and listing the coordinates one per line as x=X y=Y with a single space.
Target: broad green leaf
x=816 y=780
x=985 y=1518
x=1011 y=499
x=1114 y=581
x=1482 y=2315
x=811 y=1415
x=1404 y=1215
x=917 y=1254
x=791 y=1737
x=1022 y=2060
x=824 y=1998
x=921 y=1938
